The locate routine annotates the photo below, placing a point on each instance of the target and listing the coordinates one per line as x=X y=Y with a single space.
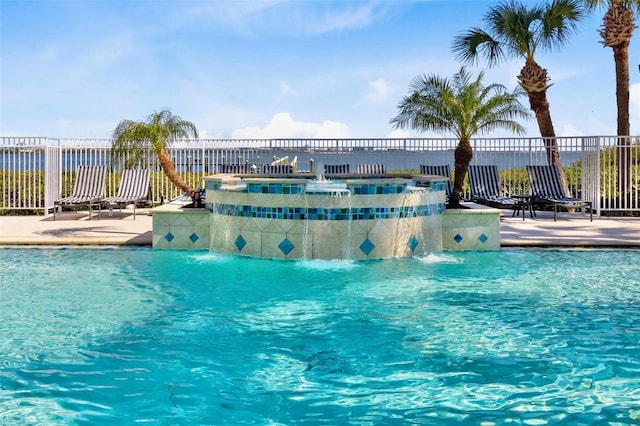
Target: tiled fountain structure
x=313 y=218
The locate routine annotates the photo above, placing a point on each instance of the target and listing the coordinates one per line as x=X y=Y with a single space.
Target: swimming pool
x=121 y=336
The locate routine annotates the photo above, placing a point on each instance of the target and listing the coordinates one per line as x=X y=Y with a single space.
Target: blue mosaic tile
x=213 y=185
x=319 y=213
x=371 y=189
x=412 y=243
x=483 y=238
x=169 y=237
x=240 y=242
x=457 y=238
x=367 y=246
x=275 y=188
x=194 y=237
x=286 y=246
x=439 y=186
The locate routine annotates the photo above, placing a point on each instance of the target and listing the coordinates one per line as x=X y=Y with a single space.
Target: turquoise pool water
x=124 y=336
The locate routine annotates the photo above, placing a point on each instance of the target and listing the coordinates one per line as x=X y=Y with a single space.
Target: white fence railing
x=36 y=171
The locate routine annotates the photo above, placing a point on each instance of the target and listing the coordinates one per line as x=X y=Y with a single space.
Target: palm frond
x=131 y=140
x=468 y=47
x=633 y=5
x=559 y=22
x=462 y=105
x=515 y=29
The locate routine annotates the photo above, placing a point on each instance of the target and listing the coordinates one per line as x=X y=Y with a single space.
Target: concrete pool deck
x=571 y=230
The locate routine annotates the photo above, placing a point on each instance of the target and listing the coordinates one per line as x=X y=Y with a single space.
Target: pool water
x=123 y=336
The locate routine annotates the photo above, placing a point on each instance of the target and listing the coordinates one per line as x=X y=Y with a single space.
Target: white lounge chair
x=133 y=189
x=88 y=190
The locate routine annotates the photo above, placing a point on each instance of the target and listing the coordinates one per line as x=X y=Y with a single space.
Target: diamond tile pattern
x=286 y=246
x=194 y=237
x=457 y=238
x=367 y=247
x=169 y=237
x=483 y=238
x=412 y=243
x=240 y=242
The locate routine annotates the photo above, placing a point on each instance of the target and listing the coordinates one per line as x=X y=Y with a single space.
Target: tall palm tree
x=515 y=30
x=464 y=107
x=617 y=27
x=133 y=139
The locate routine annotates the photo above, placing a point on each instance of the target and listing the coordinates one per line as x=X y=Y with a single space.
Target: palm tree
x=517 y=31
x=617 y=28
x=133 y=139
x=464 y=107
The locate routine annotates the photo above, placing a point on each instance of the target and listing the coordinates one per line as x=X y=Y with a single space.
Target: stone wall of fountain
x=177 y=226
x=293 y=218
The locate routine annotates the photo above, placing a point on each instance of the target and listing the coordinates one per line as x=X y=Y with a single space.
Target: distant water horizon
x=195 y=160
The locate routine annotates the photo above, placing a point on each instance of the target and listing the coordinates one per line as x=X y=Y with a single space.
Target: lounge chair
x=133 y=189
x=547 y=189
x=371 y=169
x=88 y=190
x=484 y=184
x=336 y=168
x=443 y=170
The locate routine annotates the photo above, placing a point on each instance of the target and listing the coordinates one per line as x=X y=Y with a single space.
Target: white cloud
x=240 y=15
x=205 y=134
x=282 y=125
x=379 y=91
x=570 y=130
x=291 y=17
x=286 y=90
x=341 y=20
x=399 y=134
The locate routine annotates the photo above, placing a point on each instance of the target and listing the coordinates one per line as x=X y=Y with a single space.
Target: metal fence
x=35 y=171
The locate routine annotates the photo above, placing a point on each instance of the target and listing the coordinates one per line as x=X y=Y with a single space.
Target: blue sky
x=267 y=69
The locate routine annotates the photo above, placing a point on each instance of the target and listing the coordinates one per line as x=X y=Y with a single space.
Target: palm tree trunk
x=535 y=81
x=170 y=170
x=618 y=26
x=621 y=57
x=463 y=156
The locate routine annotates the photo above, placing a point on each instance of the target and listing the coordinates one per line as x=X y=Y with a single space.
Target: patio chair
x=547 y=189
x=88 y=190
x=371 y=169
x=133 y=189
x=443 y=170
x=484 y=184
x=336 y=168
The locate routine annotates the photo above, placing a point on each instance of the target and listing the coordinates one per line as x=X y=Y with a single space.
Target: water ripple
x=523 y=337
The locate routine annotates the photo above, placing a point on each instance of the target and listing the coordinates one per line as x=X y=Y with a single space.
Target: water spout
x=320 y=177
